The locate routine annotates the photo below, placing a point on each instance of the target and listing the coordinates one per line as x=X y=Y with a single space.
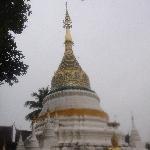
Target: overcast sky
x=111 y=43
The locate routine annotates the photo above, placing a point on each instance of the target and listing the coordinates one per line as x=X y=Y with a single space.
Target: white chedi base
x=75 y=130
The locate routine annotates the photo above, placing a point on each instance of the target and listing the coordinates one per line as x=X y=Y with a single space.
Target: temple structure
x=20 y=144
x=135 y=139
x=72 y=118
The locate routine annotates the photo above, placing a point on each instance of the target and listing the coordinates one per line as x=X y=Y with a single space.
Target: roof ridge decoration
x=69 y=73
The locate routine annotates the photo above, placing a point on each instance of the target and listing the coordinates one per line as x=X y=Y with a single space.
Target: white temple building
x=72 y=117
x=135 y=139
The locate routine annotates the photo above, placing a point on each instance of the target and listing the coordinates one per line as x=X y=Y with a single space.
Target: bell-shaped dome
x=70 y=73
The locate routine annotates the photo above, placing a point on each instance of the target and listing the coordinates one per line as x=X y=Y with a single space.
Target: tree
x=127 y=138
x=36 y=105
x=13 y=16
x=147 y=146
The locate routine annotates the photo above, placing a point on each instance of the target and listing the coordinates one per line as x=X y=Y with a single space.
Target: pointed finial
x=67 y=25
x=67 y=22
x=132 y=118
x=66 y=5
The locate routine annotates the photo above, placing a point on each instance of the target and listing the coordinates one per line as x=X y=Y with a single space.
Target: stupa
x=71 y=113
x=135 y=139
x=72 y=118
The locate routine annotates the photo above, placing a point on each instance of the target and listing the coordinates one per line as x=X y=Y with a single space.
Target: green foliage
x=127 y=138
x=13 y=15
x=36 y=105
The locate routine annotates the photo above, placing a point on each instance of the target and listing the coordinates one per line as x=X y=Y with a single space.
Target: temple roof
x=69 y=73
x=5 y=137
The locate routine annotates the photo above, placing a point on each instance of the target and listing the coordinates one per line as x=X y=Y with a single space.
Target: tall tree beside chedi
x=13 y=16
x=36 y=105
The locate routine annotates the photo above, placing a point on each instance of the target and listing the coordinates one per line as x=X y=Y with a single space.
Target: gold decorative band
x=75 y=112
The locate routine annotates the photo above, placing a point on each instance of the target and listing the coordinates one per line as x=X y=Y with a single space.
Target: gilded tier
x=70 y=73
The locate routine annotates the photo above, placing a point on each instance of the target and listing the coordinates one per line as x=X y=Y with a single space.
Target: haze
x=111 y=43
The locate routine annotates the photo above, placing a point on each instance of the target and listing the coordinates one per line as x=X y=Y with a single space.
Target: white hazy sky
x=112 y=44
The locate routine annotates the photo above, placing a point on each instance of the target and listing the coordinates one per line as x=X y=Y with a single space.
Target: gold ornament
x=76 y=112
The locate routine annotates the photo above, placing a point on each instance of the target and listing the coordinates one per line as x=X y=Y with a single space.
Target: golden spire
x=67 y=24
x=69 y=73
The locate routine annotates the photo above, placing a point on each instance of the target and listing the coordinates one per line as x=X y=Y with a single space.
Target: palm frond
x=33 y=115
x=32 y=104
x=37 y=103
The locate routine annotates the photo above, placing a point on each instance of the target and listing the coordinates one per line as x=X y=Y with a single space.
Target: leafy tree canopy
x=36 y=105
x=13 y=15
